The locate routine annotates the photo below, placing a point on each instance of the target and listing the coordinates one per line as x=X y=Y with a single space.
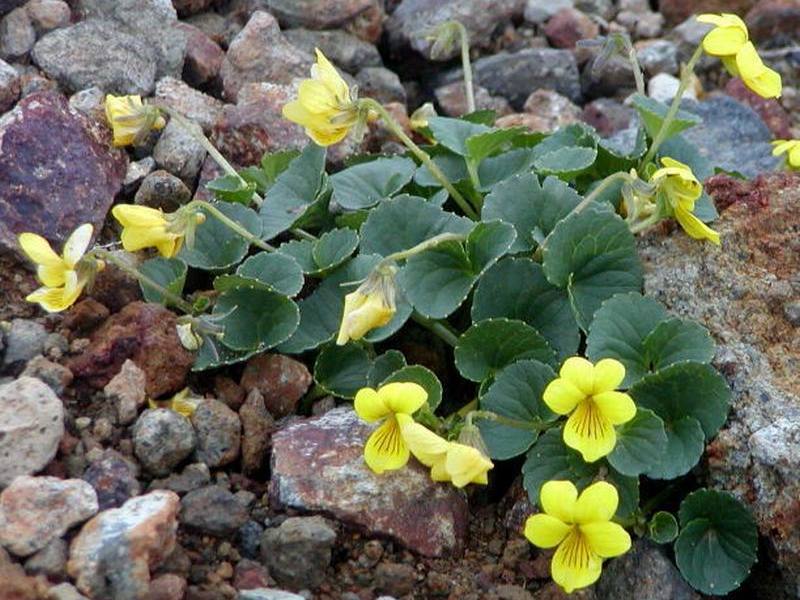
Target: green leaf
x=619 y=330
x=567 y=163
x=663 y=527
x=438 y=280
x=255 y=318
x=384 y=365
x=652 y=113
x=685 y=443
x=169 y=273
x=451 y=165
x=704 y=209
x=216 y=247
x=453 y=133
x=302 y=251
x=592 y=254
x=484 y=116
x=293 y=192
x=280 y=272
x=489 y=143
x=516 y=394
x=493 y=344
x=403 y=222
x=679 y=148
x=333 y=248
x=527 y=296
x=213 y=353
x=498 y=168
x=641 y=443
x=718 y=541
x=231 y=188
x=533 y=209
x=677 y=340
x=422 y=376
x=275 y=163
x=628 y=490
x=342 y=370
x=366 y=184
x=613 y=156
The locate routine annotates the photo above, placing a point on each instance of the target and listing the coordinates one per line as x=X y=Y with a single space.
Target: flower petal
x=557 y=499
x=606 y=539
x=77 y=243
x=562 y=396
x=748 y=61
x=694 y=227
x=136 y=238
x=724 y=41
x=794 y=156
x=38 y=250
x=616 y=407
x=574 y=564
x=425 y=445
x=52 y=275
x=369 y=405
x=766 y=84
x=385 y=449
x=545 y=531
x=403 y=396
x=466 y=464
x=608 y=374
x=325 y=72
x=580 y=372
x=132 y=215
x=597 y=503
x=589 y=432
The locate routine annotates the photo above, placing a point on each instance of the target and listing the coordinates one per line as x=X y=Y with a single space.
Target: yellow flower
x=145 y=227
x=754 y=73
x=419 y=118
x=581 y=527
x=372 y=305
x=682 y=189
x=449 y=461
x=792 y=150
x=323 y=106
x=386 y=450
x=587 y=393
x=63 y=277
x=727 y=37
x=182 y=403
x=130 y=119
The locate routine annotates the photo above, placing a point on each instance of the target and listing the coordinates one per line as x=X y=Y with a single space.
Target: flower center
x=590 y=422
x=576 y=551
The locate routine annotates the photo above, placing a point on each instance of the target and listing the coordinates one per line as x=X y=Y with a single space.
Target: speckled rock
x=658 y=56
x=162 y=190
x=344 y=50
x=775 y=117
x=145 y=333
x=192 y=477
x=259 y=53
x=452 y=100
x=298 y=552
x=186 y=8
x=112 y=555
x=47 y=15
x=218 y=433
x=9 y=86
x=17 y=34
x=24 y=340
x=281 y=380
x=113 y=478
x=36 y=510
x=59 y=170
x=676 y=11
x=361 y=17
x=545 y=110
x=126 y=391
x=162 y=440
x=382 y=84
x=257 y=428
x=50 y=561
x=213 y=510
x=774 y=22
x=178 y=152
x=191 y=103
x=203 y=56
x=318 y=465
x=57 y=376
x=31 y=426
x=568 y=26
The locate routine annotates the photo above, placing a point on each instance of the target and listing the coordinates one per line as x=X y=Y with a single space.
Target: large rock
x=203 y=56
x=218 y=433
x=744 y=294
x=99 y=53
x=196 y=106
x=213 y=510
x=363 y=18
x=412 y=21
x=146 y=334
x=58 y=170
x=179 y=152
x=298 y=552
x=162 y=439
x=318 y=465
x=344 y=50
x=281 y=380
x=775 y=21
x=113 y=478
x=113 y=554
x=261 y=53
x=37 y=510
x=31 y=426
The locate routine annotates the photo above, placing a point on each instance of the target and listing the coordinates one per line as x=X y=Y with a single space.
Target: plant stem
x=423 y=156
x=637 y=68
x=437 y=327
x=686 y=75
x=126 y=267
x=603 y=186
x=644 y=224
x=303 y=234
x=466 y=65
x=426 y=245
x=467 y=408
x=232 y=225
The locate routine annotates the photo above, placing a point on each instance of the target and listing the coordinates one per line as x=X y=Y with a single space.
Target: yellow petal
x=362 y=314
x=369 y=405
x=438 y=472
x=545 y=531
x=606 y=539
x=766 y=84
x=58 y=298
x=317 y=99
x=748 y=61
x=132 y=215
x=574 y=564
x=137 y=238
x=466 y=464
x=327 y=74
x=589 y=432
x=562 y=396
x=385 y=449
x=730 y=64
x=616 y=407
x=38 y=250
x=794 y=156
x=557 y=499
x=170 y=245
x=425 y=445
x=670 y=162
x=597 y=503
x=403 y=396
x=580 y=372
x=724 y=41
x=694 y=227
x=52 y=275
x=77 y=243
x=327 y=137
x=781 y=146
x=608 y=374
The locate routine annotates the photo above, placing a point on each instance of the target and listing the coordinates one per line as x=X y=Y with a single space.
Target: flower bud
x=371 y=306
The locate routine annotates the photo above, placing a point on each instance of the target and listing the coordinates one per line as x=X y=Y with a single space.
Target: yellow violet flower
x=182 y=403
x=323 y=106
x=130 y=119
x=581 y=527
x=754 y=73
x=63 y=277
x=372 y=305
x=728 y=36
x=682 y=189
x=587 y=393
x=394 y=403
x=792 y=150
x=145 y=227
x=419 y=118
x=457 y=463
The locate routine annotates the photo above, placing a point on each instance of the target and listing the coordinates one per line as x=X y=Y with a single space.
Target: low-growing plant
x=518 y=251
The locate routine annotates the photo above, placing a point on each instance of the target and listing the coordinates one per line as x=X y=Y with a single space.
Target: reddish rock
x=191 y=103
x=229 y=392
x=15 y=585
x=770 y=19
x=281 y=380
x=144 y=333
x=361 y=17
x=85 y=315
x=114 y=288
x=452 y=100
x=769 y=109
x=58 y=170
x=251 y=575
x=257 y=427
x=568 y=26
x=113 y=478
x=126 y=391
x=608 y=115
x=203 y=56
x=167 y=587
x=318 y=465
x=186 y=8
x=545 y=110
x=210 y=171
x=113 y=554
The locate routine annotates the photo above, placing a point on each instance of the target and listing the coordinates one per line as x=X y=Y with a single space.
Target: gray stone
x=218 y=433
x=248 y=539
x=137 y=171
x=126 y=392
x=664 y=86
x=452 y=100
x=9 y=5
x=64 y=591
x=97 y=53
x=162 y=440
x=381 y=84
x=89 y=102
x=213 y=510
x=299 y=551
x=47 y=15
x=360 y=16
x=17 y=35
x=9 y=86
x=344 y=50
x=602 y=8
x=192 y=477
x=257 y=427
x=268 y=594
x=178 y=152
x=658 y=56
x=162 y=190
x=113 y=478
x=792 y=312
x=611 y=76
x=538 y=12
x=688 y=36
x=31 y=426
x=24 y=340
x=50 y=561
x=196 y=106
x=57 y=376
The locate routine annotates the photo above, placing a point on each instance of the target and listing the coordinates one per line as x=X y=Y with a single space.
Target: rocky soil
x=262 y=493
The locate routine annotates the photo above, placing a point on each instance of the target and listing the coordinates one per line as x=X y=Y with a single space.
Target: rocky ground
x=264 y=490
